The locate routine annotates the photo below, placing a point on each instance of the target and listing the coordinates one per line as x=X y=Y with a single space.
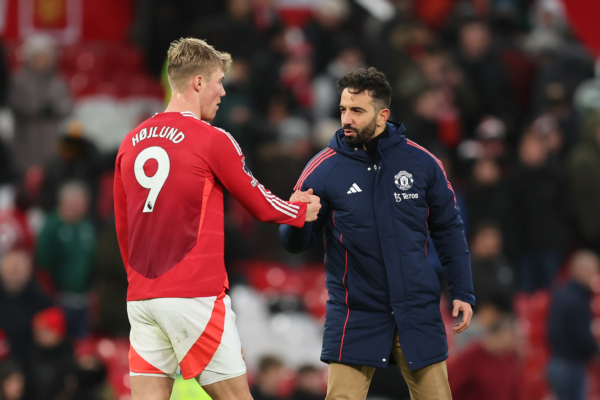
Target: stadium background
x=505 y=92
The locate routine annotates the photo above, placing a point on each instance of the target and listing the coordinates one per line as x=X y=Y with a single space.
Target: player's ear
x=197 y=82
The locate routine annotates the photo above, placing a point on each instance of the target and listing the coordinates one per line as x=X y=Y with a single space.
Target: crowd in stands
x=501 y=91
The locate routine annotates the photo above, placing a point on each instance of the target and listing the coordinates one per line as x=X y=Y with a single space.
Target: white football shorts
x=198 y=334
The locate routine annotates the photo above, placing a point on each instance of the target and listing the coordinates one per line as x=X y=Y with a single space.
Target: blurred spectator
x=3 y=78
x=587 y=95
x=52 y=367
x=324 y=33
x=569 y=328
x=422 y=123
x=486 y=193
x=286 y=143
x=439 y=99
x=270 y=376
x=40 y=100
x=4 y=347
x=549 y=15
x=548 y=131
x=548 y=23
x=490 y=369
x=295 y=78
x=14 y=228
x=110 y=283
x=233 y=31
x=559 y=107
x=12 y=382
x=66 y=248
x=492 y=276
x=560 y=61
x=20 y=299
x=491 y=134
x=584 y=177
x=266 y=61
x=407 y=43
x=484 y=70
x=6 y=163
x=76 y=158
x=309 y=384
x=326 y=104
x=489 y=312
x=538 y=230
x=90 y=375
x=234 y=113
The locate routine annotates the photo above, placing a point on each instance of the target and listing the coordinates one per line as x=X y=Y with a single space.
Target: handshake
x=313 y=203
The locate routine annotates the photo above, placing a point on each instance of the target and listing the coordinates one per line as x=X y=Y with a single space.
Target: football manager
x=383 y=196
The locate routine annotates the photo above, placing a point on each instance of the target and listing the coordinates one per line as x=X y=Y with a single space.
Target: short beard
x=363 y=135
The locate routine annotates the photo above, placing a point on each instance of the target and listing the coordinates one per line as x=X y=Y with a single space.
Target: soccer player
x=170 y=175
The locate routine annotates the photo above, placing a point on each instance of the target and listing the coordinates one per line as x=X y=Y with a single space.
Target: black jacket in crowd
x=16 y=313
x=569 y=325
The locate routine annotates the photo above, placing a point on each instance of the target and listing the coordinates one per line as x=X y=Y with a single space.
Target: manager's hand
x=313 y=206
x=467 y=314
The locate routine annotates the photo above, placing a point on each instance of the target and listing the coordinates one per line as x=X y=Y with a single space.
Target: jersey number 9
x=155 y=182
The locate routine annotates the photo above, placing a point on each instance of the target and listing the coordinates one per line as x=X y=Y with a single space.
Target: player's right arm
x=296 y=240
x=227 y=161
x=121 y=212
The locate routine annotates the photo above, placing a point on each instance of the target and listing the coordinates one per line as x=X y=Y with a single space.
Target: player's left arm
x=447 y=232
x=120 y=202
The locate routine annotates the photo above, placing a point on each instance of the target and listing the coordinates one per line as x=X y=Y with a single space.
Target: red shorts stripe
x=207 y=344
x=138 y=365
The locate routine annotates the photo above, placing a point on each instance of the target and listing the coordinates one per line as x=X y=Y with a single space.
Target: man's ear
x=383 y=116
x=197 y=82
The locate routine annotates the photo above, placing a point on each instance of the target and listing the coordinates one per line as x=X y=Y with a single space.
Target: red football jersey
x=169 y=179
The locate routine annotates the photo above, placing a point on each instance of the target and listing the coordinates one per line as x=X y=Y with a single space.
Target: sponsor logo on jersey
x=404 y=180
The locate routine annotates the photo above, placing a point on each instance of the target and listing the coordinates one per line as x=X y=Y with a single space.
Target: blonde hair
x=191 y=56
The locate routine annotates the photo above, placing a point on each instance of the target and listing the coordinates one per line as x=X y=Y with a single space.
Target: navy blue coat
x=376 y=220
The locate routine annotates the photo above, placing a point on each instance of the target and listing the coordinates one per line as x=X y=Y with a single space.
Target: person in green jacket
x=65 y=248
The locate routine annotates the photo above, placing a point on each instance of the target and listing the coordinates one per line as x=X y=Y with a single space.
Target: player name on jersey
x=166 y=132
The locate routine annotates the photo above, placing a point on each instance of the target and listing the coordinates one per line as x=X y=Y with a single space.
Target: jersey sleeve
x=297 y=240
x=121 y=213
x=228 y=163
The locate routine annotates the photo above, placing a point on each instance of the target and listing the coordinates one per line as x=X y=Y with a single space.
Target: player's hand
x=467 y=314
x=303 y=197
x=312 y=208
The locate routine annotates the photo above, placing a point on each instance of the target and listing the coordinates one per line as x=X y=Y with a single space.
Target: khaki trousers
x=351 y=382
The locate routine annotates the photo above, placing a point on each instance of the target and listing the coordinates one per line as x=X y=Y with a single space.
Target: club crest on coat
x=404 y=180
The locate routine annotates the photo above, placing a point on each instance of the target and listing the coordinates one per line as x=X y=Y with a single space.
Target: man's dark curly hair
x=370 y=80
